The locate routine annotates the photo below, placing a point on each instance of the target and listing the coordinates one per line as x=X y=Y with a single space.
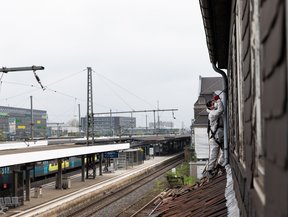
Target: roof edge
x=216 y=20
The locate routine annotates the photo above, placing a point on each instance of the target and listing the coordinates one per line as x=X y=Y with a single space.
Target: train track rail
x=95 y=206
x=149 y=207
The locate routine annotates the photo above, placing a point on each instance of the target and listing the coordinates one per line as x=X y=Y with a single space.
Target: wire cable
x=123 y=100
x=128 y=91
x=47 y=89
x=65 y=78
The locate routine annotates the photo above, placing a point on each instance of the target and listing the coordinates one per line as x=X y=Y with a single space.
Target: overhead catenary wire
x=66 y=78
x=67 y=95
x=43 y=87
x=123 y=100
x=48 y=89
x=128 y=91
x=33 y=86
x=119 y=86
x=106 y=80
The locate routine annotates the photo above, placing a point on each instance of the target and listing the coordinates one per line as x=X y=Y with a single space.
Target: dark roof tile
x=211 y=84
x=206 y=198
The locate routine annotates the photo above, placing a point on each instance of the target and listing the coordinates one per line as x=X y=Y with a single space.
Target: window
x=201 y=100
x=240 y=85
x=259 y=170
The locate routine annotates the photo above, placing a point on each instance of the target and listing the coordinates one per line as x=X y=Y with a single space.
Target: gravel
x=134 y=200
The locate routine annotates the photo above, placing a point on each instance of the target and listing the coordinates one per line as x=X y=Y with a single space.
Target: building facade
x=161 y=125
x=248 y=39
x=15 y=123
x=114 y=125
x=207 y=87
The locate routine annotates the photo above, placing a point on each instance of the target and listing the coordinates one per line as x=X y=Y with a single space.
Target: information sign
x=111 y=154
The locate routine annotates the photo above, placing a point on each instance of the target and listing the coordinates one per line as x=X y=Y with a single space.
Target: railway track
x=150 y=207
x=103 y=204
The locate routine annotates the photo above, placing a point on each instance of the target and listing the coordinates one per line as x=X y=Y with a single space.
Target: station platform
x=51 y=198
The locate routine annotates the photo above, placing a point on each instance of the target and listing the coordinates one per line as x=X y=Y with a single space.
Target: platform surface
x=49 y=193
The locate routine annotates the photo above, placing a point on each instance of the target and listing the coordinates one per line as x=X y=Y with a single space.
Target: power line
x=33 y=86
x=124 y=101
x=65 y=78
x=21 y=84
x=136 y=111
x=118 y=85
x=47 y=89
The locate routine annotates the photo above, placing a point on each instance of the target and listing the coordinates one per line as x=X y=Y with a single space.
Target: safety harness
x=219 y=125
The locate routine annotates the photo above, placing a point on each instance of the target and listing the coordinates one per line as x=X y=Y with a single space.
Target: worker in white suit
x=215 y=131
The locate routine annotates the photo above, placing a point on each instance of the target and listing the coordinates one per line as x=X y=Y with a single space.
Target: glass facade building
x=15 y=123
x=111 y=125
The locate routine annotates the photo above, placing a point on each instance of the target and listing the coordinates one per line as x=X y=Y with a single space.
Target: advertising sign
x=12 y=126
x=151 y=151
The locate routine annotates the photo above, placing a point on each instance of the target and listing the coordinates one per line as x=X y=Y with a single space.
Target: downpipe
x=225 y=79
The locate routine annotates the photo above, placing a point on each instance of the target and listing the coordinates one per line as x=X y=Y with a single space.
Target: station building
x=15 y=123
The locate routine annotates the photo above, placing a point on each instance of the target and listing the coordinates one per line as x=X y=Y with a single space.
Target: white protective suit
x=215 y=153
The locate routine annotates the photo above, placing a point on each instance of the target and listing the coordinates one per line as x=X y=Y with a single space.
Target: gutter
x=225 y=80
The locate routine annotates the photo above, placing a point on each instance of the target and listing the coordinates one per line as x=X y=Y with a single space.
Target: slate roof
x=208 y=85
x=211 y=84
x=201 y=120
x=205 y=198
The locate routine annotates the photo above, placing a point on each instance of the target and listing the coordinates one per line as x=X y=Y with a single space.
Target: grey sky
x=155 y=49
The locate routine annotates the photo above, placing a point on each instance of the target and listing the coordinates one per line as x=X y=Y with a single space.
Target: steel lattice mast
x=90 y=117
x=90 y=159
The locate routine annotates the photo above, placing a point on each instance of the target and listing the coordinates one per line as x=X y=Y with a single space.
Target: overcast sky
x=141 y=52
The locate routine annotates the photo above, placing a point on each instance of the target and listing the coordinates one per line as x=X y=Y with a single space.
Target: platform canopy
x=38 y=154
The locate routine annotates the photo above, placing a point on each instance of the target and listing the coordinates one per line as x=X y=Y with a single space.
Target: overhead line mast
x=90 y=159
x=29 y=68
x=17 y=69
x=34 y=69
